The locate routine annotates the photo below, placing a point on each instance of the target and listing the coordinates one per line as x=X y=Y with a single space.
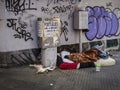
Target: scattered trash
x=41 y=69
x=51 y=84
x=98 y=67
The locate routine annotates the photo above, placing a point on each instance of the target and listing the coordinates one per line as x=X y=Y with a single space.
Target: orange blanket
x=87 y=56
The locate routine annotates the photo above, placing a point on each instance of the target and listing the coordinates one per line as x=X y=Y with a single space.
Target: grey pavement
x=25 y=78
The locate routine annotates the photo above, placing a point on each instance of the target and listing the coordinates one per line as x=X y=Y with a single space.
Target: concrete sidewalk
x=24 y=78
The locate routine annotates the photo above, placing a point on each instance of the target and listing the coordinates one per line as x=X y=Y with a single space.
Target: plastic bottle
x=98 y=67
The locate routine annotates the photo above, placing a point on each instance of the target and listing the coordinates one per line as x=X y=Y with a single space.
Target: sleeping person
x=63 y=62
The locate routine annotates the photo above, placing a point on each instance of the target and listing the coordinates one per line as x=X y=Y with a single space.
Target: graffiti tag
x=17 y=6
x=64 y=29
x=20 y=31
x=61 y=1
x=58 y=9
x=101 y=23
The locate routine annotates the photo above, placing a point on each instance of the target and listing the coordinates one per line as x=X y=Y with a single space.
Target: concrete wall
x=18 y=29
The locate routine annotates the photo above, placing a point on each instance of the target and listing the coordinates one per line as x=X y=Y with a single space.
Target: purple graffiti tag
x=101 y=23
x=90 y=11
x=97 y=11
x=114 y=23
x=101 y=27
x=92 y=25
x=108 y=21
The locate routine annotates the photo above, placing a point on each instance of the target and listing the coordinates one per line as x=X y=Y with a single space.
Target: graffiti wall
x=103 y=22
x=20 y=27
x=19 y=31
x=18 y=24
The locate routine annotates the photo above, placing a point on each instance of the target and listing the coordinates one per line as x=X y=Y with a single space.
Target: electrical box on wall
x=80 y=21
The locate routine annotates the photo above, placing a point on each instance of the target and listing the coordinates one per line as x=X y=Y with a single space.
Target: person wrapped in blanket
x=89 y=58
x=67 y=60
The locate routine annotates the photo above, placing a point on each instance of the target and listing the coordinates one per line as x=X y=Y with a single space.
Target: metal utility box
x=80 y=20
x=48 y=39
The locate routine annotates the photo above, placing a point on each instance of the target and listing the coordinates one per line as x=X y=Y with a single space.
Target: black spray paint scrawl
x=17 y=6
x=64 y=29
x=20 y=31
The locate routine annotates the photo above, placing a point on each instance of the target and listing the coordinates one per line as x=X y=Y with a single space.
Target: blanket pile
x=87 y=56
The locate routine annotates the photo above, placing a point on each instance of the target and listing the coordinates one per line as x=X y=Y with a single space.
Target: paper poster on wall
x=51 y=27
x=49 y=31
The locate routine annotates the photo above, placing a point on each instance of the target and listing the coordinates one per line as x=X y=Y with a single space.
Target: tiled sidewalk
x=24 y=78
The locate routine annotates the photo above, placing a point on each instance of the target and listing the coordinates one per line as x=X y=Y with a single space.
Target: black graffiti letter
x=12 y=23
